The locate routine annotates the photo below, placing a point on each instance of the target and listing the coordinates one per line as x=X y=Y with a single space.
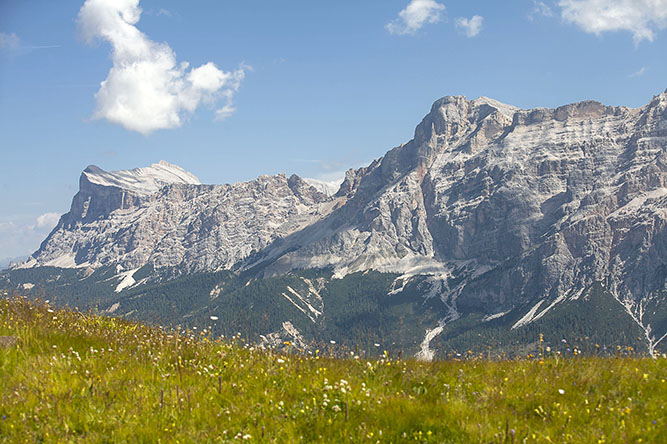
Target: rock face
x=163 y=216
x=508 y=204
x=502 y=206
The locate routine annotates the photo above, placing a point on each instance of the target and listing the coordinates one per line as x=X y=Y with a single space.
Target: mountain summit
x=140 y=180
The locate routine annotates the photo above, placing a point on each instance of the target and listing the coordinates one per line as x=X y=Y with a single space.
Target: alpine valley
x=493 y=225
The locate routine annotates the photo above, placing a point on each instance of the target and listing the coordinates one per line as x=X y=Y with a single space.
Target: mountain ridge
x=496 y=207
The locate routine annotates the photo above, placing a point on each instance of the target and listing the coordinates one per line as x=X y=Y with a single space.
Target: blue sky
x=302 y=86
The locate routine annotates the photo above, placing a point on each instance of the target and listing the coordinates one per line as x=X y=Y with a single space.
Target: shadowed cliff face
x=95 y=201
x=503 y=206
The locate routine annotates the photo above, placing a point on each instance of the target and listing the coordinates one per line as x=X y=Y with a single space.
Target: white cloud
x=414 y=16
x=471 y=26
x=9 y=41
x=21 y=235
x=13 y=43
x=540 y=8
x=47 y=221
x=146 y=89
x=644 y=18
x=638 y=73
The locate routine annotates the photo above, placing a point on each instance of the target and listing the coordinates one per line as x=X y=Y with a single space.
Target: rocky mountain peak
x=141 y=181
x=453 y=116
x=162 y=215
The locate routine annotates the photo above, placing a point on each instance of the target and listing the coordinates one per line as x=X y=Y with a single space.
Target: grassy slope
x=74 y=377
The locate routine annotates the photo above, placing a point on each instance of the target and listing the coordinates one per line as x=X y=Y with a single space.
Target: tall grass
x=75 y=377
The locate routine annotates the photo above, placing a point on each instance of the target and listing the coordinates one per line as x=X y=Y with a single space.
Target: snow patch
x=142 y=181
x=326 y=188
x=395 y=290
x=215 y=292
x=636 y=312
x=436 y=289
x=528 y=317
x=302 y=299
x=126 y=280
x=277 y=338
x=30 y=263
x=311 y=288
x=304 y=303
x=577 y=294
x=113 y=308
x=491 y=317
x=556 y=301
x=425 y=353
x=297 y=306
x=28 y=286
x=503 y=108
x=64 y=261
x=297 y=338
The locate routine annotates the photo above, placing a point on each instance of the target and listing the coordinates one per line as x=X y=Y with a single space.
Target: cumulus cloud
x=146 y=89
x=414 y=16
x=643 y=18
x=471 y=26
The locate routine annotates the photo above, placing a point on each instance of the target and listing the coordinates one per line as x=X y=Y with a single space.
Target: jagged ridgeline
x=492 y=225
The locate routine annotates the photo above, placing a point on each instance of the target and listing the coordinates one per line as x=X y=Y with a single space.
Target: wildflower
x=332 y=341
x=214 y=318
x=561 y=391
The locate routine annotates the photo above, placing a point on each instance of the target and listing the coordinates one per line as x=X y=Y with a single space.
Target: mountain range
x=492 y=225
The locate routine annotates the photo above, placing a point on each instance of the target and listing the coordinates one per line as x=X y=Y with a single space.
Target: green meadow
x=67 y=376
